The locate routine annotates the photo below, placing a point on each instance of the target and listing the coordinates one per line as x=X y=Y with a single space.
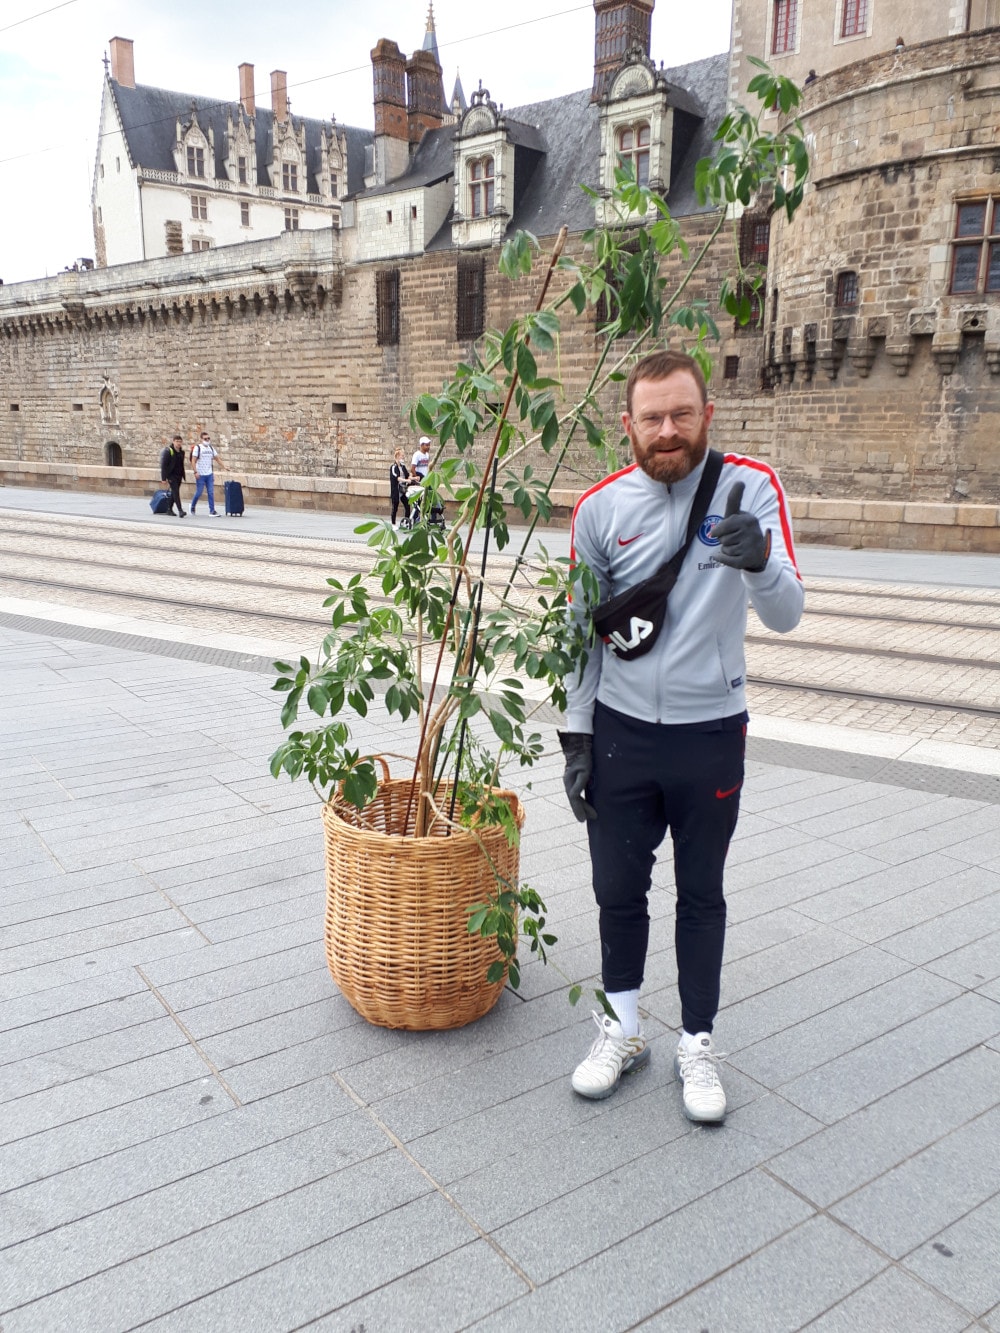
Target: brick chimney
x=391 y=150
x=389 y=78
x=620 y=24
x=279 y=95
x=425 y=102
x=122 y=61
x=247 y=100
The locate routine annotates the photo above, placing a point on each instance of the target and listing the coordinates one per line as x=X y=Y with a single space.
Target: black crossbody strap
x=703 y=496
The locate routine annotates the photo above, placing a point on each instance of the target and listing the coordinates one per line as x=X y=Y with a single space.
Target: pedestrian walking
x=399 y=474
x=203 y=456
x=656 y=718
x=172 y=472
x=421 y=460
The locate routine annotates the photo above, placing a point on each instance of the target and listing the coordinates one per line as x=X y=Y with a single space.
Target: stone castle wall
x=272 y=345
x=897 y=396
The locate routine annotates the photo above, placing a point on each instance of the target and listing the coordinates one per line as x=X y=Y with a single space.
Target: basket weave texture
x=397 y=942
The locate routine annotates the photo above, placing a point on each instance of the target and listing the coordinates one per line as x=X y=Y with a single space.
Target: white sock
x=688 y=1038
x=625 y=1003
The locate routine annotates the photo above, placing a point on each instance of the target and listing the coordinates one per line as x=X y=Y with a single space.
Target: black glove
x=578 y=748
x=743 y=545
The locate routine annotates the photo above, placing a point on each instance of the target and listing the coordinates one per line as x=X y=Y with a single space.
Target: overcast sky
x=51 y=75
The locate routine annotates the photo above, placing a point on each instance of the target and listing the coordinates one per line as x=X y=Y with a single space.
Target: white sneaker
x=697 y=1068
x=611 y=1055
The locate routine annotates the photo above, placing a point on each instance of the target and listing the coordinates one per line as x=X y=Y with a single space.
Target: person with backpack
x=172 y=472
x=679 y=543
x=203 y=455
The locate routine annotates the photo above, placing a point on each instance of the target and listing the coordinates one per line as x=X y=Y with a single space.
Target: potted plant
x=425 y=908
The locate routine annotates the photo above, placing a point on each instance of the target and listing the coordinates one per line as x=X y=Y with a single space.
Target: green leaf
x=595 y=435
x=526 y=367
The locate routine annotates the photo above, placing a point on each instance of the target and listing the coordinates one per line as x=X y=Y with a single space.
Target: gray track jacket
x=624 y=528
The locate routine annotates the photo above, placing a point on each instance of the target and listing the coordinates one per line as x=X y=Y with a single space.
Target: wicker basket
x=397 y=942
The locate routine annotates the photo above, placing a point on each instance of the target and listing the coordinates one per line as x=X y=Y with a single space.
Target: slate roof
x=433 y=161
x=559 y=145
x=149 y=117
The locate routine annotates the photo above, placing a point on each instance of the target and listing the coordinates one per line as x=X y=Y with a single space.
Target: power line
x=302 y=83
x=41 y=14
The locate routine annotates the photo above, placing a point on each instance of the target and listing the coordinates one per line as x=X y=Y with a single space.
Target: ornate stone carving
x=900 y=354
x=829 y=354
x=861 y=354
x=945 y=349
x=972 y=319
x=921 y=323
x=482 y=116
x=636 y=76
x=108 y=399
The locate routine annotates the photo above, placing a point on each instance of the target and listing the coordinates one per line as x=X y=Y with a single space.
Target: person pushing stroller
x=420 y=465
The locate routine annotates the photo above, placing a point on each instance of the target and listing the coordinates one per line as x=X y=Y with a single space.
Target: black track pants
x=647 y=778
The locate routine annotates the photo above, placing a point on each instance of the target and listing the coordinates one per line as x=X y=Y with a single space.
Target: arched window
x=633 y=150
x=481 y=182
x=112 y=454
x=847 y=290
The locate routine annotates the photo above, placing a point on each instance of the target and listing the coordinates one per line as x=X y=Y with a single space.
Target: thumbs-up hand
x=742 y=544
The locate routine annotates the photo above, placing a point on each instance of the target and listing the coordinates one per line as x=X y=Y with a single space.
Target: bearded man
x=656 y=718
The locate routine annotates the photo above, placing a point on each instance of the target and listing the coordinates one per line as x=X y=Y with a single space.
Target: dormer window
x=481 y=187
x=290 y=177
x=633 y=150
x=637 y=132
x=195 y=161
x=241 y=170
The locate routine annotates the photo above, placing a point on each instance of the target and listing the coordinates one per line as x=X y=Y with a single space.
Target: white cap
x=424 y=439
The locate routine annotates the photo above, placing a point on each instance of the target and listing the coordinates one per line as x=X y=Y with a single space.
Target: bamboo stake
x=463 y=567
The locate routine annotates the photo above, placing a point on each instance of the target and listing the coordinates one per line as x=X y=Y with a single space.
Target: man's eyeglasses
x=650 y=423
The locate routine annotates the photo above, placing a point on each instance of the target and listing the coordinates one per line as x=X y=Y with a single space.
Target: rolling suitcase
x=234 y=499
x=161 y=502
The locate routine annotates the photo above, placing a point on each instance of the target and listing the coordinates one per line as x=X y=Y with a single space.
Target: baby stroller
x=414 y=495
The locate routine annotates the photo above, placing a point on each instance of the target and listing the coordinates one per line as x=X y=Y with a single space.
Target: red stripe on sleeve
x=599 y=486
x=740 y=460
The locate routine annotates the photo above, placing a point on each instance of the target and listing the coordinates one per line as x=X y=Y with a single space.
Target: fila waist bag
x=630 y=622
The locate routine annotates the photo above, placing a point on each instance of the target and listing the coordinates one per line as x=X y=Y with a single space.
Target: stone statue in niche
x=109 y=402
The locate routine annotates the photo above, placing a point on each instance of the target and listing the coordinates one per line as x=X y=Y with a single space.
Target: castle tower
x=619 y=25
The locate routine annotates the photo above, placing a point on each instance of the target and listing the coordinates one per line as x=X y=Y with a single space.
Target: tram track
x=314 y=623
x=863 y=650
x=207 y=578
x=254 y=551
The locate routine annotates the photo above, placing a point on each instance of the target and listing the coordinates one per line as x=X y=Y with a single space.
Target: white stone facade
x=206 y=193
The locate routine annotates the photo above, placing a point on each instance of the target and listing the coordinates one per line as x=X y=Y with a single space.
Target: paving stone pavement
x=200 y=1133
